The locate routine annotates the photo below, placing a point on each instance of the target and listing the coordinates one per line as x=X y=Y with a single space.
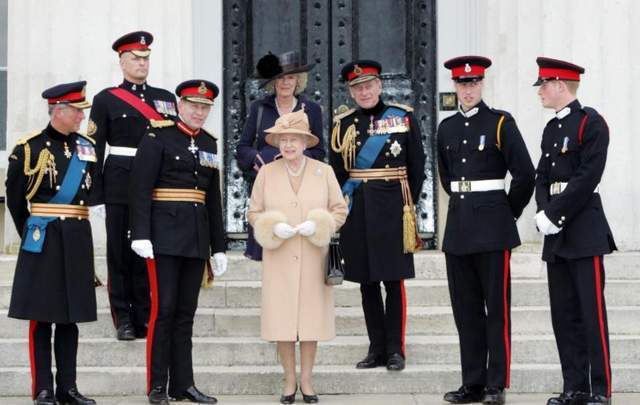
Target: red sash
x=140 y=106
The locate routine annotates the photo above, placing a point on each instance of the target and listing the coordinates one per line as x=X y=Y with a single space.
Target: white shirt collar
x=563 y=113
x=469 y=113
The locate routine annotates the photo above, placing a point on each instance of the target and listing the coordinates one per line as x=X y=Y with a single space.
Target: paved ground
x=417 y=399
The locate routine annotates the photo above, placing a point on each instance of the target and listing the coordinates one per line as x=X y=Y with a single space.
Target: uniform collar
x=472 y=111
x=572 y=106
x=55 y=135
x=377 y=109
x=126 y=84
x=184 y=128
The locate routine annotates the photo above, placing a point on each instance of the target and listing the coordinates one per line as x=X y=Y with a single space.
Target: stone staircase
x=230 y=358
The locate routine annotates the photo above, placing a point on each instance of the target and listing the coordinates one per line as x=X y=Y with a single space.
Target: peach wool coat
x=296 y=303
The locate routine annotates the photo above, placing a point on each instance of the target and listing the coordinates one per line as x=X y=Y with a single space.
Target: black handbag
x=335 y=265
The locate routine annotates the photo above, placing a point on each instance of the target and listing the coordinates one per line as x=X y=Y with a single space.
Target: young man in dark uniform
x=120 y=116
x=476 y=148
x=49 y=186
x=176 y=212
x=377 y=155
x=577 y=235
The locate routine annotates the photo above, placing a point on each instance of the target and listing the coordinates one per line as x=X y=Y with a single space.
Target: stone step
x=267 y=380
x=343 y=350
x=247 y=294
x=228 y=322
x=236 y=294
x=430 y=265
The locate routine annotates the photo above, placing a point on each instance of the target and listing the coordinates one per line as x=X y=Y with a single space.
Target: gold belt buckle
x=464 y=186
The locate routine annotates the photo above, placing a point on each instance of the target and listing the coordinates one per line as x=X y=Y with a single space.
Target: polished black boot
x=158 y=395
x=598 y=399
x=465 y=395
x=494 y=396
x=569 y=398
x=192 y=394
x=395 y=362
x=73 y=397
x=126 y=332
x=372 y=361
x=45 y=397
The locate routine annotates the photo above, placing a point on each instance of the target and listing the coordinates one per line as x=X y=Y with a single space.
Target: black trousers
x=579 y=318
x=128 y=284
x=65 y=345
x=480 y=290
x=386 y=322
x=175 y=285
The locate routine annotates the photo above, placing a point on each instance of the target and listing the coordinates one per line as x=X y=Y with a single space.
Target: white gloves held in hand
x=285 y=231
x=220 y=261
x=143 y=248
x=545 y=226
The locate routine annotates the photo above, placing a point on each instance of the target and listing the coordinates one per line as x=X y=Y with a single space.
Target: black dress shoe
x=309 y=399
x=598 y=399
x=192 y=394
x=45 y=397
x=158 y=395
x=569 y=398
x=494 y=396
x=395 y=362
x=372 y=360
x=288 y=399
x=140 y=332
x=73 y=397
x=465 y=395
x=126 y=332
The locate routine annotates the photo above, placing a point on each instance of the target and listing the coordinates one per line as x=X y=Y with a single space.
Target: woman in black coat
x=285 y=78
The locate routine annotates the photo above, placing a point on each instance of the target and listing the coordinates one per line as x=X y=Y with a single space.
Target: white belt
x=477 y=185
x=558 y=187
x=122 y=151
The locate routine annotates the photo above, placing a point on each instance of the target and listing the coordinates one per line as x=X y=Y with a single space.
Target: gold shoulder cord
x=347 y=146
x=38 y=170
x=498 y=140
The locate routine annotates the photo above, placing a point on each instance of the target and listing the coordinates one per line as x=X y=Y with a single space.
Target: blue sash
x=37 y=226
x=368 y=154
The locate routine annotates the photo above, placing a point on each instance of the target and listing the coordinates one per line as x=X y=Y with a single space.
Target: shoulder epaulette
x=501 y=112
x=87 y=137
x=401 y=106
x=28 y=137
x=161 y=123
x=343 y=114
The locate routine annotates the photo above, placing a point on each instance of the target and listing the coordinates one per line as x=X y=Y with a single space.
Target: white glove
x=283 y=230
x=143 y=248
x=98 y=211
x=545 y=226
x=306 y=228
x=220 y=267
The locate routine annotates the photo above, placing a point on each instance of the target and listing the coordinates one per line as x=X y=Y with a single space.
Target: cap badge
x=357 y=70
x=467 y=68
x=202 y=89
x=142 y=40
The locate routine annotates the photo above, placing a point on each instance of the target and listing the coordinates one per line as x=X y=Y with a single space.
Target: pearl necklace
x=281 y=111
x=299 y=171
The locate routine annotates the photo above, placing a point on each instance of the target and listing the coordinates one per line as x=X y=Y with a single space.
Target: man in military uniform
x=577 y=235
x=119 y=117
x=177 y=225
x=378 y=159
x=476 y=148
x=48 y=190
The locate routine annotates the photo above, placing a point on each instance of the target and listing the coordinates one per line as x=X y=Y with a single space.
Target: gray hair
x=301 y=84
x=53 y=107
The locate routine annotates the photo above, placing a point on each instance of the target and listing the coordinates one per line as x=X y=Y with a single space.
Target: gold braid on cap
x=347 y=146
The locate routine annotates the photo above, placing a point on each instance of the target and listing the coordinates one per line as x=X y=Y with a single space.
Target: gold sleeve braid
x=345 y=146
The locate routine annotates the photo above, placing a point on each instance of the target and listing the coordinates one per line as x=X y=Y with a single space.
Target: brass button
x=462 y=196
x=466 y=124
x=81 y=202
x=464 y=141
x=124 y=115
x=462 y=178
x=559 y=125
x=464 y=160
x=553 y=163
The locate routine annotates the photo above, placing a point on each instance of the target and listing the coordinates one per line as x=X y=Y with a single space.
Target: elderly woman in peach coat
x=296 y=206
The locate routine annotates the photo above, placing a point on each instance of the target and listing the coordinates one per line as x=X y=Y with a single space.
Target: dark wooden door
x=401 y=34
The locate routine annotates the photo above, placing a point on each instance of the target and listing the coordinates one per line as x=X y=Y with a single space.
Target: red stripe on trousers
x=403 y=328
x=603 y=339
x=153 y=315
x=32 y=357
x=505 y=305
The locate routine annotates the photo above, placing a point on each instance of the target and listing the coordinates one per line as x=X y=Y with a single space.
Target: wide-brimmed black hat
x=271 y=67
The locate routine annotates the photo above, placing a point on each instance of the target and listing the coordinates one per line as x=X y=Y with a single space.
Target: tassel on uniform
x=409 y=234
x=207 y=275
